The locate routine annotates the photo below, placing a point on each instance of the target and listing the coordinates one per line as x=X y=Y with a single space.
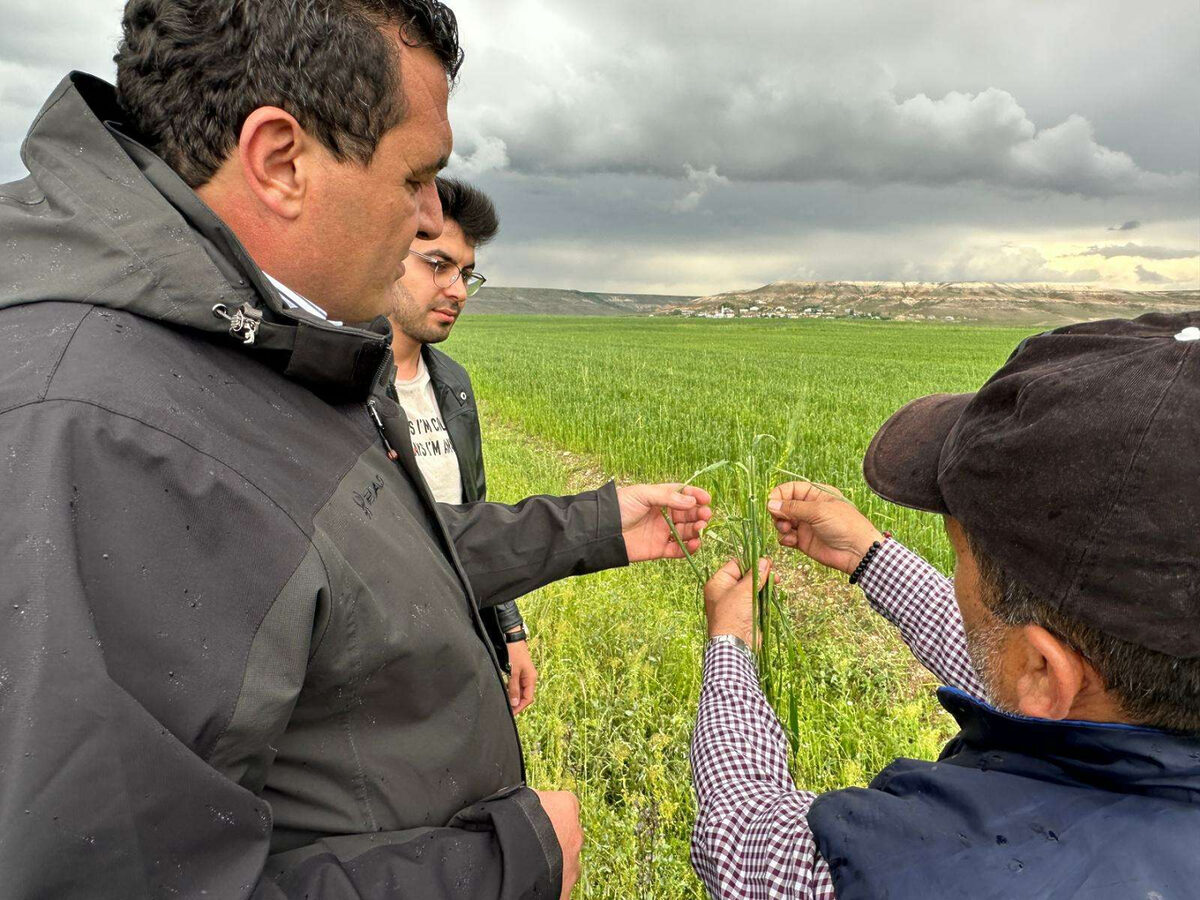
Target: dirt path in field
x=821 y=600
x=584 y=473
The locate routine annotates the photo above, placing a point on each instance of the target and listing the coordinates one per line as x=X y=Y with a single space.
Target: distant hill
x=981 y=302
x=554 y=302
x=984 y=302
x=1003 y=304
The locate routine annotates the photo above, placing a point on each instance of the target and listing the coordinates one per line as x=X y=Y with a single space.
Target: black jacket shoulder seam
x=63 y=355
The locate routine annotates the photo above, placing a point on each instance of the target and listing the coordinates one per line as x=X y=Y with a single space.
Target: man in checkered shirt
x=1069 y=644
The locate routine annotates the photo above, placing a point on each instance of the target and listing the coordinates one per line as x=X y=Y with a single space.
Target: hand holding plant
x=729 y=600
x=651 y=535
x=819 y=522
x=743 y=598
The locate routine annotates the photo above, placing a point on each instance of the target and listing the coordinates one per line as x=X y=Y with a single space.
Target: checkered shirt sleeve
x=919 y=600
x=751 y=840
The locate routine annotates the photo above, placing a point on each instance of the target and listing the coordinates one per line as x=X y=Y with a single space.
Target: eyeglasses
x=446 y=273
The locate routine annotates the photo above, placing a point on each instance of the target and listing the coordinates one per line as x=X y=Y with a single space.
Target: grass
x=745 y=533
x=567 y=403
x=656 y=399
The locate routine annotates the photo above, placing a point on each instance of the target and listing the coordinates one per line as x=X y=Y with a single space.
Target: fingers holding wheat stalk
x=744 y=530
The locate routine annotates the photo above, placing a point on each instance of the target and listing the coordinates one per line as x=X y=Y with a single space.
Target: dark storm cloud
x=696 y=146
x=611 y=232
x=689 y=87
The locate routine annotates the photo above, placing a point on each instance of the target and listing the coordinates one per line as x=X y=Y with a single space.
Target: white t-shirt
x=430 y=441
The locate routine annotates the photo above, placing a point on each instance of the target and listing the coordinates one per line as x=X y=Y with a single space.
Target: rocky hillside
x=983 y=302
x=993 y=303
x=552 y=302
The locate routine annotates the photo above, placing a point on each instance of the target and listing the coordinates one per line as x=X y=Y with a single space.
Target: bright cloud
x=687 y=146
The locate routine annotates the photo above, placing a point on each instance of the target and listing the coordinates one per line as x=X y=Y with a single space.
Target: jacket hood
x=102 y=220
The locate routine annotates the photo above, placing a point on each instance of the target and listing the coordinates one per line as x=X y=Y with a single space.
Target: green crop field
x=568 y=403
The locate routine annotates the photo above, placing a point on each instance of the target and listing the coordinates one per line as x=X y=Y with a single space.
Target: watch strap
x=737 y=643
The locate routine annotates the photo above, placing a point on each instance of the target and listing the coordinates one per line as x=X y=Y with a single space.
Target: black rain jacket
x=241 y=654
x=456 y=401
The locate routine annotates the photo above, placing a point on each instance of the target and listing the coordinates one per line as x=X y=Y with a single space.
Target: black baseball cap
x=1077 y=468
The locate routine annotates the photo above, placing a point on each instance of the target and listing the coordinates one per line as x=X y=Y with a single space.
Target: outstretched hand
x=646 y=532
x=819 y=522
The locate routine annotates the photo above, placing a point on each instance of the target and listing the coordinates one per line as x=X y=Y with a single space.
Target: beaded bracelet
x=870 y=555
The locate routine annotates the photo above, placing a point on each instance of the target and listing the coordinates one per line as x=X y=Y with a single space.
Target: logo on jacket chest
x=365 y=499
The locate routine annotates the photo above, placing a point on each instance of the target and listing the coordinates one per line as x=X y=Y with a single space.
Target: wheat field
x=568 y=403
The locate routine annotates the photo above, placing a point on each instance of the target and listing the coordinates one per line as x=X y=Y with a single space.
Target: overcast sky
x=691 y=147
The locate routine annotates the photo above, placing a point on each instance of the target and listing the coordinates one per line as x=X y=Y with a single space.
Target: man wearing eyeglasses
x=436 y=393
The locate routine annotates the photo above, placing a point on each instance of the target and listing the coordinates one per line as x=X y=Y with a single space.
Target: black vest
x=1022 y=808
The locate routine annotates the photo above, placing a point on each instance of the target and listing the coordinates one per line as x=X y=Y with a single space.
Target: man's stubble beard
x=985 y=646
x=424 y=334
x=411 y=318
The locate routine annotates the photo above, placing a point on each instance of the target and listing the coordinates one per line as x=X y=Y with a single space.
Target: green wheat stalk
x=751 y=529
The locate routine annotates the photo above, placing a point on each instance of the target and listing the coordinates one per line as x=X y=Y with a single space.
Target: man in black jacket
x=241 y=652
x=436 y=392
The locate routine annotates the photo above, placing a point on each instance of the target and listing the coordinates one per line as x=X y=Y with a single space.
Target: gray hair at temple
x=1153 y=689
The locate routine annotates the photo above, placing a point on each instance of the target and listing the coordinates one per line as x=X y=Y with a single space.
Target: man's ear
x=275 y=155
x=1049 y=675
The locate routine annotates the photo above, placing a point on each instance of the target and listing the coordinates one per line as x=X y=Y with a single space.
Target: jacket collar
x=147 y=244
x=1116 y=757
x=446 y=376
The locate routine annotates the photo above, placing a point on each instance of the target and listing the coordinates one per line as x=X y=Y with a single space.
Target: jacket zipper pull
x=375 y=417
x=243 y=322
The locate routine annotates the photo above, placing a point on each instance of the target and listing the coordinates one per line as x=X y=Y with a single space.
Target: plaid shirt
x=752 y=838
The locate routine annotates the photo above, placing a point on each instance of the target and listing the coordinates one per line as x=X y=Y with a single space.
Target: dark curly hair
x=470 y=208
x=189 y=72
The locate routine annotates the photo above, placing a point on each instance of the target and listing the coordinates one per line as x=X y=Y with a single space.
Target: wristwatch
x=736 y=643
x=515 y=637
